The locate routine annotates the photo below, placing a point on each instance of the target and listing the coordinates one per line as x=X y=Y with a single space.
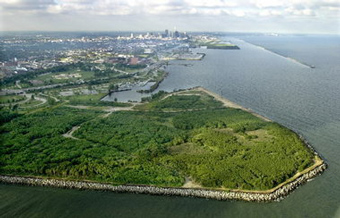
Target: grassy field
x=30 y=103
x=179 y=102
x=215 y=44
x=130 y=68
x=64 y=77
x=221 y=46
x=172 y=137
x=6 y=99
x=84 y=98
x=92 y=100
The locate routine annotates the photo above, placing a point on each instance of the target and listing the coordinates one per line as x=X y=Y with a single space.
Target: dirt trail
x=189 y=183
x=69 y=133
x=110 y=110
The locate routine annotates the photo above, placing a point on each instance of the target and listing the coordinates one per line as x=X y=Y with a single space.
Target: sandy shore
x=229 y=103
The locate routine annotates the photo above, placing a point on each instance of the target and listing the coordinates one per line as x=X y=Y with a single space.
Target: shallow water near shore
x=304 y=99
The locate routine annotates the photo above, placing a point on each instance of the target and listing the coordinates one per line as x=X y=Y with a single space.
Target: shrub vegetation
x=215 y=146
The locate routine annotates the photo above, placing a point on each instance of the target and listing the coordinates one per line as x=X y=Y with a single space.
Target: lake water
x=131 y=94
x=304 y=99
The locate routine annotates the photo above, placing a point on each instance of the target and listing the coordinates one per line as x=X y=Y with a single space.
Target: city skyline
x=292 y=16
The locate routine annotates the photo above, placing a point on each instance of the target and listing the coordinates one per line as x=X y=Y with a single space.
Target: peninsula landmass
x=189 y=143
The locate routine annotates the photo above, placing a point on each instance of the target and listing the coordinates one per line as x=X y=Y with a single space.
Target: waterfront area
x=56 y=66
x=279 y=99
x=228 y=143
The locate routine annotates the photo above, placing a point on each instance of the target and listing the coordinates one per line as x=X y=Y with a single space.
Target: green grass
x=84 y=98
x=221 y=46
x=50 y=78
x=30 y=103
x=216 y=147
x=215 y=44
x=130 y=68
x=92 y=100
x=7 y=99
x=143 y=55
x=183 y=101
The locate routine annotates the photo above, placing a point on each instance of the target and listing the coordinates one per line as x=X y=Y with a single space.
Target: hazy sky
x=283 y=16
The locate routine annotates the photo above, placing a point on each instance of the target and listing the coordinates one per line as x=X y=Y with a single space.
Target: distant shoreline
x=286 y=57
x=274 y=194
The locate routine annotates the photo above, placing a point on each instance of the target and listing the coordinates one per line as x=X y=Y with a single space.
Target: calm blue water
x=304 y=99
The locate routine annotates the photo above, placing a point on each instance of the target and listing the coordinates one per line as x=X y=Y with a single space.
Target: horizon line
x=144 y=31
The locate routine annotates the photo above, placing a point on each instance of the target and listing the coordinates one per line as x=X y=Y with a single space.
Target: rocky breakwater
x=275 y=195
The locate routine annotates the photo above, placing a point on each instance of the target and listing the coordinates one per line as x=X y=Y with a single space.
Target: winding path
x=110 y=110
x=69 y=133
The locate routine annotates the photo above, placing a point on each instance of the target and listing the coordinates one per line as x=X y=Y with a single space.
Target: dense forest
x=160 y=143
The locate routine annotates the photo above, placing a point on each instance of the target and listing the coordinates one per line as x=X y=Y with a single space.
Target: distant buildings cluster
x=44 y=52
x=166 y=35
